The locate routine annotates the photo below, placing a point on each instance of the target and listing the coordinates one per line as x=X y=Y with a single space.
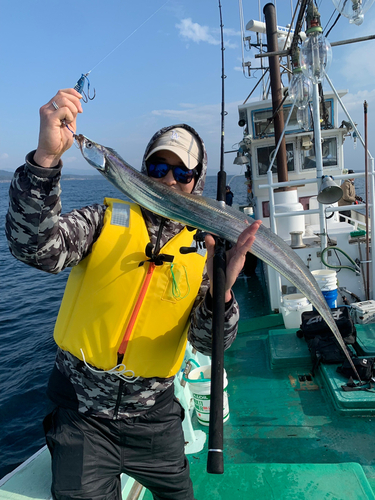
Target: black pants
x=347 y=213
x=89 y=454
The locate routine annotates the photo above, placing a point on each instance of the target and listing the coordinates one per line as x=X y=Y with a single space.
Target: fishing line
x=79 y=86
x=127 y=38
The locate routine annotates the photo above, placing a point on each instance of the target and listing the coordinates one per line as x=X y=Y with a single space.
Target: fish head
x=92 y=152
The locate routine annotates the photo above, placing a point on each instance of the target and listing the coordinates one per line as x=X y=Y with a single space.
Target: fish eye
x=89 y=145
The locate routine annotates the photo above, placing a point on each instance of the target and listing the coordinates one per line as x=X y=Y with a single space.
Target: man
x=229 y=196
x=131 y=301
x=349 y=197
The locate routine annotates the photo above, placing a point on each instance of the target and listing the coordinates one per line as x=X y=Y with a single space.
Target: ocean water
x=29 y=303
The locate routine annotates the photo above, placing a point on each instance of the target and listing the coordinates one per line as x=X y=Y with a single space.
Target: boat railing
x=354 y=222
x=321 y=210
x=330 y=208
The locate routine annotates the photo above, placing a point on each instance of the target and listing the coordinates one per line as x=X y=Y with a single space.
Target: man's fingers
x=247 y=237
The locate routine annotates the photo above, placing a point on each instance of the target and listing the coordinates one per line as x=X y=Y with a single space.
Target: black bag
x=324 y=350
x=364 y=367
x=313 y=324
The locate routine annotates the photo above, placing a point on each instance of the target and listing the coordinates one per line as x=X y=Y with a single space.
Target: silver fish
x=210 y=216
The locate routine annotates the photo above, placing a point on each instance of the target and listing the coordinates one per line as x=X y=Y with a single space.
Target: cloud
x=354 y=101
x=205 y=116
x=197 y=33
x=4 y=156
x=206 y=119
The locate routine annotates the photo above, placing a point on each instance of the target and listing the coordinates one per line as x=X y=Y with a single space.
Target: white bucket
x=326 y=279
x=292 y=308
x=199 y=381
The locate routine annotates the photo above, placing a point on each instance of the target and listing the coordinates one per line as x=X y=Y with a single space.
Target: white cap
x=181 y=142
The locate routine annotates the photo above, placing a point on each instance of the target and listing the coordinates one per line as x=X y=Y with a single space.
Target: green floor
x=285 y=438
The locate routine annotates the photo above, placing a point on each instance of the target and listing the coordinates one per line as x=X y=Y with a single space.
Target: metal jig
x=79 y=86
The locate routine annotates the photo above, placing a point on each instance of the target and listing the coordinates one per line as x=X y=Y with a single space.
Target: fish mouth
x=79 y=140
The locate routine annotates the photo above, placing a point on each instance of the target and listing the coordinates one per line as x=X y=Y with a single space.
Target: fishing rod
x=215 y=459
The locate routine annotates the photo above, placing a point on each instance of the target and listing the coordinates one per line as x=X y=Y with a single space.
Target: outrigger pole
x=215 y=459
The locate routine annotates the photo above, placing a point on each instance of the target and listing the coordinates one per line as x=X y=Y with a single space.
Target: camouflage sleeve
x=199 y=334
x=36 y=231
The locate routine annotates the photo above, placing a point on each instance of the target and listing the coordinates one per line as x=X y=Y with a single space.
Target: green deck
x=285 y=438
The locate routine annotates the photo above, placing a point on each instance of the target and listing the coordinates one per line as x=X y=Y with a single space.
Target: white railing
x=271 y=185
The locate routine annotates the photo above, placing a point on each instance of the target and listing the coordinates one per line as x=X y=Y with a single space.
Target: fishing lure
x=79 y=87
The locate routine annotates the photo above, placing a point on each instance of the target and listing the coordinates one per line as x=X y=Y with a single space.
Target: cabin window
x=261 y=120
x=264 y=157
x=329 y=153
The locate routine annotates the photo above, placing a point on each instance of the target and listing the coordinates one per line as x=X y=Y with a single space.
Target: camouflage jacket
x=39 y=235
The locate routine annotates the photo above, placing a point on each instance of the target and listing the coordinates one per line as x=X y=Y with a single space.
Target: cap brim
x=188 y=160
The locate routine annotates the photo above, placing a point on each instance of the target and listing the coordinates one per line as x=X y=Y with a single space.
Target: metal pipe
x=316 y=211
x=258 y=82
x=302 y=182
x=372 y=180
x=372 y=221
x=367 y=213
x=344 y=109
x=313 y=180
x=283 y=53
x=318 y=160
x=275 y=78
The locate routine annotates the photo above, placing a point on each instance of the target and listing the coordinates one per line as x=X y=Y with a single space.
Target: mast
x=277 y=98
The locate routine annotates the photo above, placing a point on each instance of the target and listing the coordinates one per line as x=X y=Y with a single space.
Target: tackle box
x=363 y=312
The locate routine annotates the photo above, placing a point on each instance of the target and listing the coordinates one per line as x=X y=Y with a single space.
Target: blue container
x=331 y=297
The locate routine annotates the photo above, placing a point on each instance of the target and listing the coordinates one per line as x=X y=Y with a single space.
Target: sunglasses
x=180 y=174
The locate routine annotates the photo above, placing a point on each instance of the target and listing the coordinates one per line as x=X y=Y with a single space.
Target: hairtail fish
x=210 y=216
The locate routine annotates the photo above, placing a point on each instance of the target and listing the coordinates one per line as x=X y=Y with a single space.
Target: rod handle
x=215 y=462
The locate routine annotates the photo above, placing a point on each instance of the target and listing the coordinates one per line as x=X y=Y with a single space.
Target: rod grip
x=215 y=459
x=215 y=462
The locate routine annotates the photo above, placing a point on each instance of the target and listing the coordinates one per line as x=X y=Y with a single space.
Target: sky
x=153 y=63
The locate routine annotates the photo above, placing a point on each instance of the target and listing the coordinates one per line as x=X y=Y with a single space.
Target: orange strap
x=137 y=307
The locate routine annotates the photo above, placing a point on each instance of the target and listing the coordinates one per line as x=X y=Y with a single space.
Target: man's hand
x=235 y=256
x=54 y=136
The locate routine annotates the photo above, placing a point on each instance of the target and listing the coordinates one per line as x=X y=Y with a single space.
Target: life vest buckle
x=157 y=259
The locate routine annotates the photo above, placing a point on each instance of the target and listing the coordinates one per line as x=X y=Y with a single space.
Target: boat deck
x=287 y=437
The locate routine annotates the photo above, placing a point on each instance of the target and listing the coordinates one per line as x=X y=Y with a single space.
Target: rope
x=175 y=290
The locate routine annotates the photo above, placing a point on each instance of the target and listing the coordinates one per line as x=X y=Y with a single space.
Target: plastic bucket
x=331 y=297
x=199 y=381
x=327 y=281
x=292 y=308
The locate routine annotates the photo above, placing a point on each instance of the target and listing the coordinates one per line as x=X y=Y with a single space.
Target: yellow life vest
x=102 y=290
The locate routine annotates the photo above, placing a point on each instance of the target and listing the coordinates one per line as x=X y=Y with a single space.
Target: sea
x=29 y=303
